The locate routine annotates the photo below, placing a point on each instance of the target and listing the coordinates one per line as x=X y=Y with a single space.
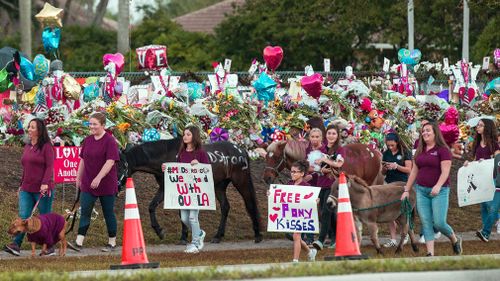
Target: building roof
x=206 y=19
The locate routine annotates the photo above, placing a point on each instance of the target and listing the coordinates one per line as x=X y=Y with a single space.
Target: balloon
x=51 y=38
x=409 y=57
x=444 y=94
x=91 y=92
x=450 y=133
x=50 y=16
x=219 y=134
x=150 y=134
x=27 y=69
x=152 y=57
x=451 y=116
x=273 y=56
x=366 y=105
x=71 y=88
x=119 y=88
x=493 y=85
x=265 y=87
x=117 y=59
x=195 y=90
x=5 y=83
x=42 y=65
x=312 y=85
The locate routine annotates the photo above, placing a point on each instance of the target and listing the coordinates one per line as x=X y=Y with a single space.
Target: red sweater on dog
x=51 y=225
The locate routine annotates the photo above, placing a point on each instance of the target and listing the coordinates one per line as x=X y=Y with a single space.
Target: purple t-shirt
x=38 y=167
x=315 y=176
x=429 y=166
x=484 y=152
x=188 y=156
x=51 y=225
x=324 y=181
x=95 y=153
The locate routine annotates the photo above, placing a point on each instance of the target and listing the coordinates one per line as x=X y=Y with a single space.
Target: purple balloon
x=444 y=94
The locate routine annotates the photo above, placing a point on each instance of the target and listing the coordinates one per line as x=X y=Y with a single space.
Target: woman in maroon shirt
x=37 y=180
x=430 y=173
x=97 y=178
x=484 y=147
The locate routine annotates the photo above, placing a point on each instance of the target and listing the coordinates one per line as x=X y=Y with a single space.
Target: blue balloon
x=27 y=69
x=91 y=92
x=195 y=90
x=51 y=38
x=493 y=85
x=42 y=65
x=265 y=87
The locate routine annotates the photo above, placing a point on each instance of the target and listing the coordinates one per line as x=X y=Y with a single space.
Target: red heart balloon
x=312 y=84
x=273 y=56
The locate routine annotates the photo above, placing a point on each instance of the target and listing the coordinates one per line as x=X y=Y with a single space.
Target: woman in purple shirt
x=97 y=179
x=430 y=173
x=191 y=151
x=484 y=147
x=38 y=178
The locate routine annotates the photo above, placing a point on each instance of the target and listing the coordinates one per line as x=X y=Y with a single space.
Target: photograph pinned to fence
x=189 y=187
x=293 y=208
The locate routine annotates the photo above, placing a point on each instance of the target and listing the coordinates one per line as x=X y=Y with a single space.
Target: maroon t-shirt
x=302 y=183
x=324 y=181
x=429 y=166
x=51 y=225
x=188 y=156
x=95 y=153
x=315 y=176
x=38 y=167
x=484 y=152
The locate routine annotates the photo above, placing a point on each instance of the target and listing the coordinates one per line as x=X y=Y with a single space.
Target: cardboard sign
x=189 y=187
x=293 y=208
x=475 y=183
x=227 y=65
x=387 y=64
x=66 y=163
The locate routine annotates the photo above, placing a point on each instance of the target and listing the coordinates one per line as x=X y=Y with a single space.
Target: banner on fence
x=66 y=163
x=475 y=183
x=189 y=187
x=293 y=208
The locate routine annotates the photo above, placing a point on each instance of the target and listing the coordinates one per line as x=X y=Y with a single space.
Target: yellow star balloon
x=50 y=16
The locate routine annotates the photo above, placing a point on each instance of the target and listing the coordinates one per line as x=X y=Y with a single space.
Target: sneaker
x=318 y=245
x=457 y=246
x=480 y=235
x=108 y=248
x=389 y=244
x=407 y=238
x=421 y=240
x=191 y=249
x=437 y=235
x=200 y=240
x=75 y=247
x=13 y=248
x=312 y=255
x=50 y=252
x=295 y=261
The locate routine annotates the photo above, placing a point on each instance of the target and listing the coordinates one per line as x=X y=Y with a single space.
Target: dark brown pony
x=378 y=204
x=359 y=160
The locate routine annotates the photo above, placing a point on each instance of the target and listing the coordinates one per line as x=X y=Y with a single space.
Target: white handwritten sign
x=189 y=187
x=293 y=208
x=475 y=183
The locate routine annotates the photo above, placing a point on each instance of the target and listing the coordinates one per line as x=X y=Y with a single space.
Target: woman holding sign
x=484 y=147
x=97 y=179
x=191 y=151
x=37 y=183
x=430 y=174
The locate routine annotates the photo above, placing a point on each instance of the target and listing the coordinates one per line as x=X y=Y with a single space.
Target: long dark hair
x=336 y=145
x=43 y=134
x=197 y=143
x=490 y=137
x=399 y=144
x=440 y=142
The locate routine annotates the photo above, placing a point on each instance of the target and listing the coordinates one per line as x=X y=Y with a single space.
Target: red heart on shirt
x=276 y=208
x=307 y=196
x=273 y=217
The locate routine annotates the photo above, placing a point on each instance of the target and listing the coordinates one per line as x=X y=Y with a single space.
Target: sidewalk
x=224 y=246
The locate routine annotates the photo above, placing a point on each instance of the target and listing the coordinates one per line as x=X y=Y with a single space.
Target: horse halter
x=276 y=167
x=124 y=174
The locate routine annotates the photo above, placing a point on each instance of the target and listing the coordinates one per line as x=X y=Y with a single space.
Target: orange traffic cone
x=347 y=246
x=134 y=249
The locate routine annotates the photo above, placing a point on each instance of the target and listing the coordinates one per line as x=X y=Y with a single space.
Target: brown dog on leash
x=45 y=230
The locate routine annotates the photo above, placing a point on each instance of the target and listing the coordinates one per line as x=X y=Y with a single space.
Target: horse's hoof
x=415 y=248
x=215 y=240
x=258 y=238
x=182 y=242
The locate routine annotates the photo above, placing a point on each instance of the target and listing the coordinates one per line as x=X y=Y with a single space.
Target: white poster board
x=189 y=187
x=293 y=208
x=475 y=183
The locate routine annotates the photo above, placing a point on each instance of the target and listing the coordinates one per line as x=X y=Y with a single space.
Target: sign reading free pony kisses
x=475 y=183
x=189 y=187
x=293 y=208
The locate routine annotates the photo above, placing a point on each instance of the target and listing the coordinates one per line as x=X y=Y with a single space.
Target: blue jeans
x=87 y=202
x=27 y=201
x=433 y=211
x=489 y=214
x=190 y=218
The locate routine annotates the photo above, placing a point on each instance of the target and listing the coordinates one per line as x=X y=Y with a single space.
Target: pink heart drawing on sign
x=307 y=196
x=276 y=208
x=273 y=217
x=66 y=152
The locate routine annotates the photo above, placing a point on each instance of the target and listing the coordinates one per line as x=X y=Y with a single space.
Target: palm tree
x=123 y=26
x=25 y=24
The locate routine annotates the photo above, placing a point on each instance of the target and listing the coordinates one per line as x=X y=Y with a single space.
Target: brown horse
x=378 y=204
x=359 y=160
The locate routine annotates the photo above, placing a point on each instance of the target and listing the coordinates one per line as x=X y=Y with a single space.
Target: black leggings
x=328 y=219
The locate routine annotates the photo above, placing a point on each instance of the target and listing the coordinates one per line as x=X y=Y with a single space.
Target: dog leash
x=38 y=202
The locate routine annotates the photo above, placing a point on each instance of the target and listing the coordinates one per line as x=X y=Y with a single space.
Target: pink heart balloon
x=450 y=132
x=312 y=84
x=273 y=56
x=117 y=59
